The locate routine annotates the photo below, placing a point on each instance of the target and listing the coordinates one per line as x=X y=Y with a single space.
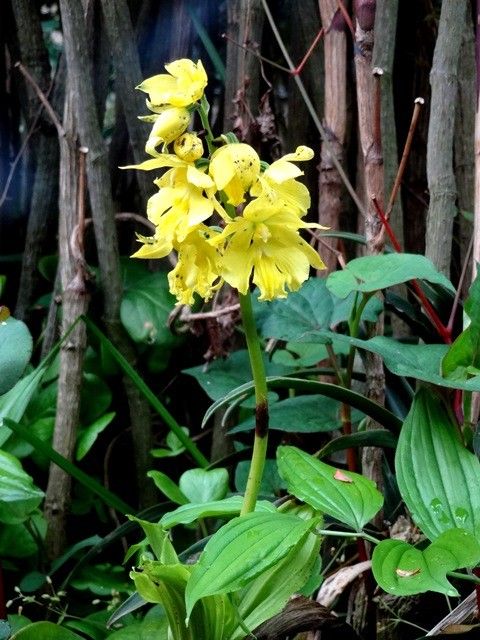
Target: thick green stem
x=261 y=406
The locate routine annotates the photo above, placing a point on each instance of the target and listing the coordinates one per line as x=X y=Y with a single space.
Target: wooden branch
x=441 y=179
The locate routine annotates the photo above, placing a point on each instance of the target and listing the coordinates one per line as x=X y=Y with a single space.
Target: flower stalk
x=259 y=453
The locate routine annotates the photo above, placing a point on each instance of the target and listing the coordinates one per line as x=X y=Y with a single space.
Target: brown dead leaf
x=339 y=475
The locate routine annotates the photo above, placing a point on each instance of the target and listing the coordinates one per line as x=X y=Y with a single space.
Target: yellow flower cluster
x=259 y=240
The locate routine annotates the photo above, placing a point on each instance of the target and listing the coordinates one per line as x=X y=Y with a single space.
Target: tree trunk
x=44 y=201
x=369 y=107
x=330 y=204
x=441 y=179
x=76 y=48
x=74 y=304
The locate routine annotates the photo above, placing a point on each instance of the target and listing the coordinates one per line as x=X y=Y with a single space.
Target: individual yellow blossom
x=182 y=86
x=168 y=125
x=234 y=168
x=153 y=247
x=198 y=267
x=278 y=181
x=265 y=241
x=188 y=147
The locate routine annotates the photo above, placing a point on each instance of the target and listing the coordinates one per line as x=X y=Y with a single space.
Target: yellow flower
x=188 y=147
x=234 y=168
x=182 y=86
x=278 y=181
x=168 y=125
x=265 y=241
x=198 y=267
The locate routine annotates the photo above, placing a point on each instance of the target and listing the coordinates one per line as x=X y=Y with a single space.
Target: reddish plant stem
x=298 y=70
x=347 y=18
x=443 y=331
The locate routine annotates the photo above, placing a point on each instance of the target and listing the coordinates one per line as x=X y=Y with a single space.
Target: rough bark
x=476 y=212
x=43 y=205
x=74 y=304
x=76 y=48
x=330 y=204
x=128 y=75
x=441 y=179
x=464 y=143
x=245 y=24
x=368 y=103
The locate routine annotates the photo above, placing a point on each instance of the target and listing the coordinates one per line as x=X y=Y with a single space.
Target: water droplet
x=461 y=515
x=437 y=507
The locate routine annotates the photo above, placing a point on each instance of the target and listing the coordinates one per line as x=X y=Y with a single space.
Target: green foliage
x=19 y=497
x=403 y=570
x=437 y=476
x=348 y=497
x=16 y=346
x=45 y=631
x=373 y=273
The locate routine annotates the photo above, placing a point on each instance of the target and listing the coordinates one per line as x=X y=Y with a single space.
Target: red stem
x=443 y=331
x=298 y=70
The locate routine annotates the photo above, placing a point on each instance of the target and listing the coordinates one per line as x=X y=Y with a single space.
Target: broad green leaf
x=45 y=631
x=346 y=496
x=19 y=497
x=16 y=541
x=472 y=303
x=101 y=579
x=146 y=305
x=271 y=484
x=437 y=476
x=175 y=447
x=158 y=540
x=224 y=375
x=188 y=513
x=267 y=594
x=302 y=414
x=370 y=438
x=463 y=354
x=401 y=569
x=305 y=314
x=372 y=273
x=144 y=630
x=241 y=550
x=168 y=487
x=128 y=606
x=14 y=403
x=165 y=584
x=200 y=485
x=306 y=354
x=88 y=435
x=16 y=346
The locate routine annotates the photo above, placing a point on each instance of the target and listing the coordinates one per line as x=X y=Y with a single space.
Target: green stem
x=203 y=109
x=463 y=576
x=347 y=534
x=353 y=327
x=259 y=453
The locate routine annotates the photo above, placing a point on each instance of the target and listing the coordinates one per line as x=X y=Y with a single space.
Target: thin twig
x=338 y=254
x=310 y=49
x=419 y=102
x=312 y=111
x=456 y=300
x=42 y=97
x=205 y=315
x=256 y=54
x=347 y=18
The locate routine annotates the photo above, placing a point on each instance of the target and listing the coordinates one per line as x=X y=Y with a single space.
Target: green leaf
x=14 y=403
x=16 y=541
x=158 y=540
x=403 y=570
x=175 y=447
x=271 y=484
x=241 y=550
x=101 y=579
x=16 y=346
x=200 y=485
x=168 y=487
x=437 y=476
x=45 y=449
x=372 y=273
x=165 y=584
x=371 y=438
x=462 y=354
x=144 y=630
x=19 y=497
x=88 y=435
x=146 y=305
x=354 y=399
x=472 y=303
x=45 y=631
x=302 y=414
x=224 y=375
x=306 y=354
x=346 y=496
x=267 y=594
x=188 y=513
